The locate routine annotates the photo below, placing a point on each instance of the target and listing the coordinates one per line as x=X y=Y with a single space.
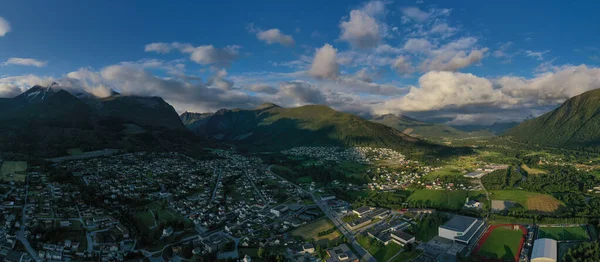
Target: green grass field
x=502 y=244
x=310 y=231
x=529 y=200
x=532 y=171
x=13 y=170
x=440 y=198
x=379 y=251
x=304 y=179
x=564 y=233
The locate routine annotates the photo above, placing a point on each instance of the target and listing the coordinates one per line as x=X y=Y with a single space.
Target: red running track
x=487 y=234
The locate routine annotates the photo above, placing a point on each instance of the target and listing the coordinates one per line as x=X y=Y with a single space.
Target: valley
x=290 y=184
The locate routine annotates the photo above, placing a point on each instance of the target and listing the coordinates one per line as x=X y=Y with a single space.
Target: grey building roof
x=544 y=248
x=459 y=223
x=402 y=235
x=468 y=235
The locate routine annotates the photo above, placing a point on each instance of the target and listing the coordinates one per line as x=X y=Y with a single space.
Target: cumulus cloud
x=452 y=56
x=454 y=61
x=25 y=62
x=273 y=36
x=361 y=30
x=262 y=88
x=437 y=90
x=4 y=27
x=324 y=64
x=302 y=92
x=219 y=80
x=205 y=54
x=452 y=90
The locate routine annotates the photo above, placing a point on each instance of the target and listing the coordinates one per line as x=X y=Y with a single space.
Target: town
x=229 y=206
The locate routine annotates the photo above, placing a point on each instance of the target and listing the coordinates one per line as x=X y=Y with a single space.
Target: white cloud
x=219 y=80
x=302 y=92
x=453 y=61
x=536 y=55
x=402 y=65
x=361 y=30
x=451 y=90
x=12 y=86
x=205 y=54
x=161 y=48
x=452 y=56
x=324 y=64
x=414 y=13
x=208 y=54
x=4 y=27
x=263 y=88
x=274 y=35
x=25 y=62
x=417 y=45
x=443 y=29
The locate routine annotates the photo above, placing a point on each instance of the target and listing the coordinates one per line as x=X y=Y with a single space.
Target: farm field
x=532 y=171
x=13 y=170
x=564 y=233
x=503 y=243
x=529 y=200
x=453 y=200
x=310 y=231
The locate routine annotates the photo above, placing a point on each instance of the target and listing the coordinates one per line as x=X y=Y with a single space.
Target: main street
x=336 y=220
x=21 y=234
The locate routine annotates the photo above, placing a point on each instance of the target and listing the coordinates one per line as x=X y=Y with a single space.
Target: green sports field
x=440 y=198
x=503 y=243
x=564 y=233
x=13 y=170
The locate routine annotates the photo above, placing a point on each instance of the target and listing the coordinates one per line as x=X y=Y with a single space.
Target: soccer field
x=564 y=233
x=503 y=243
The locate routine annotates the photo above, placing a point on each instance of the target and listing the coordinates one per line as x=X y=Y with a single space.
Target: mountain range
x=432 y=131
x=45 y=121
x=575 y=124
x=271 y=127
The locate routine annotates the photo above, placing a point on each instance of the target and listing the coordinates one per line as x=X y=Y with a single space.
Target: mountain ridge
x=574 y=124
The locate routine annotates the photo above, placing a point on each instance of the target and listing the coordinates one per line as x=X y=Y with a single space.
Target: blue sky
x=455 y=61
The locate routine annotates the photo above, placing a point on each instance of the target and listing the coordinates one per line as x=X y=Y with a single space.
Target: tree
x=261 y=252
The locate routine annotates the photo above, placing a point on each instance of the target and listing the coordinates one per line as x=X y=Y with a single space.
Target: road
x=364 y=254
x=21 y=234
x=214 y=194
x=254 y=186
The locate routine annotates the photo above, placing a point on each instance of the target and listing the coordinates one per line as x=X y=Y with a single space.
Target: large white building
x=461 y=229
x=544 y=250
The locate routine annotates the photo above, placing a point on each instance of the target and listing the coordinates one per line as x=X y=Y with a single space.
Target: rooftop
x=361 y=210
x=402 y=235
x=459 y=223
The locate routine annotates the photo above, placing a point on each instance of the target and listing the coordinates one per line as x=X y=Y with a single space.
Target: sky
x=458 y=62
